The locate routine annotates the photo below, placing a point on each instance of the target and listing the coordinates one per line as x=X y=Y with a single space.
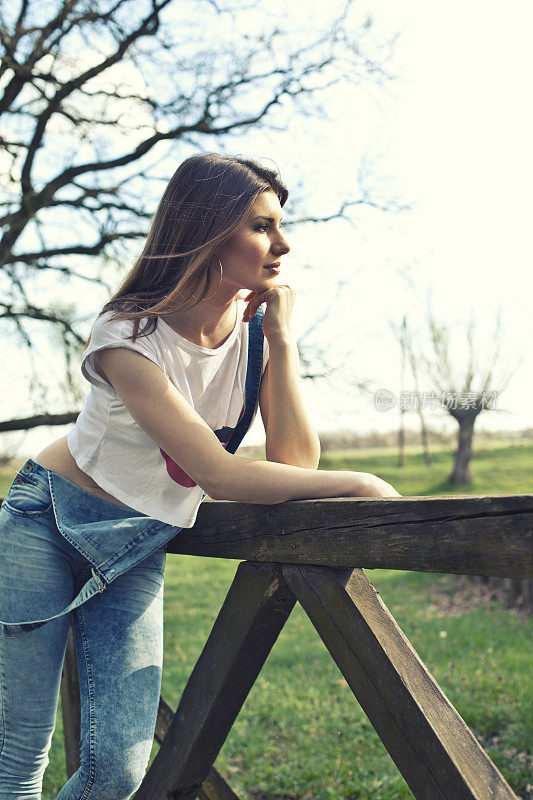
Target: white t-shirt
x=118 y=454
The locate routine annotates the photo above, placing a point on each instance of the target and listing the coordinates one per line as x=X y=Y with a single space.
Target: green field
x=301 y=735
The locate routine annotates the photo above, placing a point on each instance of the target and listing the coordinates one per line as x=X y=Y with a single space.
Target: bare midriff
x=58 y=458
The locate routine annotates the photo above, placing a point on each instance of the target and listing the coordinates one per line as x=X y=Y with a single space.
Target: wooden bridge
x=314 y=552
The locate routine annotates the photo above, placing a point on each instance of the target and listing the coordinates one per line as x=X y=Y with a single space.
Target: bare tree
x=401 y=432
x=414 y=372
x=91 y=92
x=404 y=335
x=423 y=427
x=466 y=398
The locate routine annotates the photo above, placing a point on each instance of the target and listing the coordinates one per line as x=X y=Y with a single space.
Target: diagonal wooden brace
x=430 y=743
x=71 y=705
x=214 y=787
x=254 y=612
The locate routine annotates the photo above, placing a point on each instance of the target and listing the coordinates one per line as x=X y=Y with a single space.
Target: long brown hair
x=206 y=199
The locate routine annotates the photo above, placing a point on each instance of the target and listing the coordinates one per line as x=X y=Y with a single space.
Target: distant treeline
x=347 y=440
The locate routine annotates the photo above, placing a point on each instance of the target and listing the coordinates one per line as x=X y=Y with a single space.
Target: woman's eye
x=266 y=227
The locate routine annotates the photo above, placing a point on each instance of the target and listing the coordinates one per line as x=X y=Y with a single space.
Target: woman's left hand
x=280 y=303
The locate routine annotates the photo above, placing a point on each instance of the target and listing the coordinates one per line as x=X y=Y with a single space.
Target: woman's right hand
x=364 y=484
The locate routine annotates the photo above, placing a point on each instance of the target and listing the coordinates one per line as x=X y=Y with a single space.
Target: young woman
x=171 y=362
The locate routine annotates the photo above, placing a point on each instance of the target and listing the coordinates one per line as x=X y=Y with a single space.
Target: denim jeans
x=119 y=650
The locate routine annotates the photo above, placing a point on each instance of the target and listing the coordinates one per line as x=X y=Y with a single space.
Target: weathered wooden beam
x=71 y=705
x=464 y=535
x=249 y=622
x=214 y=786
x=165 y=715
x=430 y=743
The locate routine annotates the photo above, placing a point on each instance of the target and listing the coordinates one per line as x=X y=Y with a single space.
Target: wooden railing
x=313 y=552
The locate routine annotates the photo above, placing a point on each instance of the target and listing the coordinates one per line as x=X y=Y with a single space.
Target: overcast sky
x=451 y=137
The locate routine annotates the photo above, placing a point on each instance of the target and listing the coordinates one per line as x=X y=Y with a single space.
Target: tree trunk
x=425 y=438
x=401 y=443
x=461 y=472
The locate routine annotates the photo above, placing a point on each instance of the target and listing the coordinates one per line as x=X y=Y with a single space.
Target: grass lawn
x=301 y=734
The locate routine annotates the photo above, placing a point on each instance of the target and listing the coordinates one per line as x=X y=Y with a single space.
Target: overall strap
x=253 y=379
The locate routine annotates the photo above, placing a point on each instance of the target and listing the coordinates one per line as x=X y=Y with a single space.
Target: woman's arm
x=161 y=410
x=267 y=483
x=290 y=436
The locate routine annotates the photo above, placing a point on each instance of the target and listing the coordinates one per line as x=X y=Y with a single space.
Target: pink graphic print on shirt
x=180 y=476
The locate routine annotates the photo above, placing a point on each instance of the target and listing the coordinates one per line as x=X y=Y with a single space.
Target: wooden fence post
x=70 y=705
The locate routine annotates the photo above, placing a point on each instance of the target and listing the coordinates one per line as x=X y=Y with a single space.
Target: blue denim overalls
x=124 y=538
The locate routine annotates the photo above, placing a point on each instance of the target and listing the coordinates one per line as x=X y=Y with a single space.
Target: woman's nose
x=282 y=246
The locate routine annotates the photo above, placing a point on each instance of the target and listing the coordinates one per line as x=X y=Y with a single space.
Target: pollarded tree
x=91 y=90
x=466 y=397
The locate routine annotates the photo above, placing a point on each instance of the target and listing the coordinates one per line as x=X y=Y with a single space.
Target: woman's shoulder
x=112 y=324
x=110 y=331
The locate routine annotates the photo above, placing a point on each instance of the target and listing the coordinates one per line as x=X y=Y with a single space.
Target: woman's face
x=257 y=242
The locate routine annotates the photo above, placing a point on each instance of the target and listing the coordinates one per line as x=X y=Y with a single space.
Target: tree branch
x=26 y=423
x=32 y=312
x=86 y=250
x=147 y=27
